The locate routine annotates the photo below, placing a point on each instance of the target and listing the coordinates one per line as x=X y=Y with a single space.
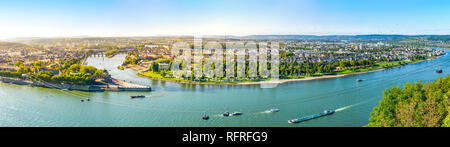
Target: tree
x=344 y=64
x=87 y=69
x=416 y=105
x=18 y=63
x=37 y=64
x=74 y=68
x=154 y=67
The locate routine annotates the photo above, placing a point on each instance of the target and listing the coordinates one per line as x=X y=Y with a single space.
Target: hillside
x=11 y=45
x=414 y=105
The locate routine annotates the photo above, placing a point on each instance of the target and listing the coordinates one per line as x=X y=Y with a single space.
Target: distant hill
x=20 y=39
x=36 y=40
x=12 y=45
x=336 y=37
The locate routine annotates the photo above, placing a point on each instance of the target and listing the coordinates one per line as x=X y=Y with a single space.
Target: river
x=173 y=104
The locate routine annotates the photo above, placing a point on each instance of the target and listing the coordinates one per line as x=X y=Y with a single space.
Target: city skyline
x=103 y=18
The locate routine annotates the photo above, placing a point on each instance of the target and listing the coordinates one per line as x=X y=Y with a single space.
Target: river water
x=172 y=104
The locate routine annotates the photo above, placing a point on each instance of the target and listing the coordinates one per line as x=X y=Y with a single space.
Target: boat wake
x=344 y=108
x=264 y=112
x=350 y=106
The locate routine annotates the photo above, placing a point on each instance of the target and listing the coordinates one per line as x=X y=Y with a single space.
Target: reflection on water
x=172 y=104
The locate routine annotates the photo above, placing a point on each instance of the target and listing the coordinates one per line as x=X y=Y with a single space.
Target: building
x=151 y=46
x=163 y=66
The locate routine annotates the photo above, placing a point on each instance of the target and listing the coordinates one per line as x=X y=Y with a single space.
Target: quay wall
x=88 y=88
x=15 y=81
x=134 y=88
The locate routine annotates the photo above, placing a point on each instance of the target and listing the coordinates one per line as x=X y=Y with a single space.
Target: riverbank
x=136 y=67
x=282 y=81
x=342 y=73
x=266 y=81
x=118 y=85
x=180 y=105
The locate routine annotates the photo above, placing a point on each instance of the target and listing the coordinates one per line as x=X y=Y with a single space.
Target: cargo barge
x=325 y=113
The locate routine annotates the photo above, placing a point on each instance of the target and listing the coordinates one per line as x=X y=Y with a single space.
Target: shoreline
x=135 y=67
x=280 y=81
x=119 y=85
x=127 y=86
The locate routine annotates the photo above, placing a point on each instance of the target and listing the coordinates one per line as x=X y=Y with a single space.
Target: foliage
x=111 y=53
x=414 y=105
x=130 y=60
x=154 y=67
x=10 y=74
x=71 y=73
x=75 y=74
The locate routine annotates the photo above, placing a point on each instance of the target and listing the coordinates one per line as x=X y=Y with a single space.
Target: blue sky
x=61 y=18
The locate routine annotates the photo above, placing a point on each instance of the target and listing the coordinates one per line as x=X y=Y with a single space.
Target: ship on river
x=137 y=96
x=322 y=114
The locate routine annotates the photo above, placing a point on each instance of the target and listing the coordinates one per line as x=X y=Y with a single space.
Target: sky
x=112 y=18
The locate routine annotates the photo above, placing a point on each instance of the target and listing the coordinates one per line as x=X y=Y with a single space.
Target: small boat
x=88 y=99
x=236 y=113
x=226 y=114
x=439 y=70
x=82 y=100
x=299 y=120
x=205 y=117
x=273 y=110
x=138 y=96
x=359 y=80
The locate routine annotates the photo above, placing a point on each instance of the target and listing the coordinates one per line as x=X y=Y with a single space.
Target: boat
x=88 y=99
x=236 y=113
x=226 y=114
x=439 y=70
x=205 y=117
x=322 y=114
x=359 y=80
x=82 y=100
x=138 y=96
x=273 y=110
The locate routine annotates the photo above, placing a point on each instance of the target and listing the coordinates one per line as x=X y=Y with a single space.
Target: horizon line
x=318 y=35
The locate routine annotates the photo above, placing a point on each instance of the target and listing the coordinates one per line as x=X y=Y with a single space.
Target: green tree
x=416 y=105
x=154 y=67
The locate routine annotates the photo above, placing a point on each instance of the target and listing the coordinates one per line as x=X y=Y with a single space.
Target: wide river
x=172 y=104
